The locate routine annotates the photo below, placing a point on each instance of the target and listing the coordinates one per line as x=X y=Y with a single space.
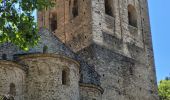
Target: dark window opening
x=4 y=56
x=131 y=70
x=70 y=9
x=12 y=90
x=64 y=77
x=75 y=8
x=108 y=7
x=129 y=17
x=151 y=92
x=132 y=16
x=45 y=49
x=140 y=88
x=53 y=23
x=69 y=3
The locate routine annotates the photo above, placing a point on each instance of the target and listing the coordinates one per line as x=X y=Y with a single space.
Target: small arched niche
x=132 y=16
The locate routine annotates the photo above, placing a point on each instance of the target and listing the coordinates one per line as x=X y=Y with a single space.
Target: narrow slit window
x=53 y=22
x=109 y=7
x=64 y=77
x=75 y=8
x=131 y=70
x=12 y=90
x=132 y=16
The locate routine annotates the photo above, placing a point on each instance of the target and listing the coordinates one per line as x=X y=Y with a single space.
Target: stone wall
x=9 y=50
x=74 y=31
x=122 y=78
x=47 y=39
x=12 y=80
x=88 y=74
x=121 y=53
x=45 y=78
x=90 y=92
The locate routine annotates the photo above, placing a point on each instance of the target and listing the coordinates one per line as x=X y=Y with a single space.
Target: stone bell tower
x=112 y=35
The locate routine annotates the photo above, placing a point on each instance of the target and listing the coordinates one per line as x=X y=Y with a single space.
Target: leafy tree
x=17 y=23
x=164 y=89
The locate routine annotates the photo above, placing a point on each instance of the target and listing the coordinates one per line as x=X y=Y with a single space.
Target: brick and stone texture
x=76 y=31
x=90 y=92
x=120 y=51
x=42 y=71
x=105 y=52
x=45 y=80
x=12 y=80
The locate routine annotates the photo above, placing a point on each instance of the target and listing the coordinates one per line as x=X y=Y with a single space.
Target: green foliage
x=164 y=89
x=17 y=23
x=167 y=78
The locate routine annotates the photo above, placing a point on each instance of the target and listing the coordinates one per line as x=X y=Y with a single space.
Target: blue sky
x=160 y=25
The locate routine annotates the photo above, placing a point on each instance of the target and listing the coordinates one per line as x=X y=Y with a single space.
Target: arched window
x=75 y=8
x=132 y=16
x=12 y=90
x=64 y=77
x=4 y=56
x=53 y=22
x=109 y=7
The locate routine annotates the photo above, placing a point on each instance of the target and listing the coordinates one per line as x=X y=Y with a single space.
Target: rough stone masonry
x=88 y=50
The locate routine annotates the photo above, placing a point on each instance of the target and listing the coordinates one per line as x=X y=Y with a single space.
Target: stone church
x=88 y=50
